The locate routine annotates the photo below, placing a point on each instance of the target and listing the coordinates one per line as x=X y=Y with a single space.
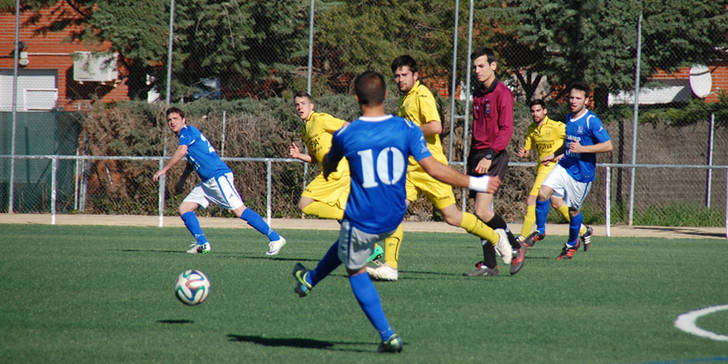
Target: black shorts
x=498 y=165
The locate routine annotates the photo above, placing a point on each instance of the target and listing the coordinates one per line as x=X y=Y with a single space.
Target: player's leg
x=195 y=199
x=484 y=210
x=558 y=204
x=326 y=198
x=354 y=249
x=529 y=219
x=307 y=279
x=574 y=196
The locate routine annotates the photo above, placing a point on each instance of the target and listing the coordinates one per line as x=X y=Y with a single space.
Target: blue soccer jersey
x=588 y=130
x=377 y=150
x=202 y=154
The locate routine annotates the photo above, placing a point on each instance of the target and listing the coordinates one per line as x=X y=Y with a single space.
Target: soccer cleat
x=482 y=270
x=303 y=288
x=503 y=247
x=383 y=272
x=377 y=255
x=568 y=251
x=274 y=247
x=586 y=238
x=533 y=238
x=392 y=345
x=199 y=248
x=519 y=257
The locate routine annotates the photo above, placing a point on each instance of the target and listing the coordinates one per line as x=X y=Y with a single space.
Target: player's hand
x=522 y=153
x=487 y=184
x=483 y=166
x=294 y=151
x=158 y=174
x=576 y=147
x=548 y=159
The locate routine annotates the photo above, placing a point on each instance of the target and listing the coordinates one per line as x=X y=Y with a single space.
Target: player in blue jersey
x=217 y=185
x=377 y=146
x=572 y=177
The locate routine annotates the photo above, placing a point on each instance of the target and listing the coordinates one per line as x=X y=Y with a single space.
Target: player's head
x=176 y=119
x=579 y=93
x=304 y=104
x=405 y=72
x=538 y=110
x=484 y=65
x=370 y=88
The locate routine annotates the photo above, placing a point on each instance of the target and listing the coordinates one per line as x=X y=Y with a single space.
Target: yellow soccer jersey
x=547 y=138
x=419 y=107
x=318 y=132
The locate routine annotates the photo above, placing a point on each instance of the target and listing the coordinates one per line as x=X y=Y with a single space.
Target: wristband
x=479 y=184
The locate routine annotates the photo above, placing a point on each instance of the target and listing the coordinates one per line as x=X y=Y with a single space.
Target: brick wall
x=52 y=50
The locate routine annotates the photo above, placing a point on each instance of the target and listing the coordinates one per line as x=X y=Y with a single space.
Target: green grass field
x=105 y=295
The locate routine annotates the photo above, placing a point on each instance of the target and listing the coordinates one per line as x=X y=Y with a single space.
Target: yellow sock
x=391 y=247
x=529 y=220
x=476 y=226
x=564 y=210
x=323 y=210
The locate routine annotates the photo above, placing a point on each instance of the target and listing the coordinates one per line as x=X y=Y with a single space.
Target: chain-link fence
x=237 y=64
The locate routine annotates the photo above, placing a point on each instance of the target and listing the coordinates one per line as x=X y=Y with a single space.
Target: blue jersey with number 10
x=201 y=153
x=377 y=150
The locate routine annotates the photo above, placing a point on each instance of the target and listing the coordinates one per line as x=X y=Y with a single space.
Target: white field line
x=686 y=322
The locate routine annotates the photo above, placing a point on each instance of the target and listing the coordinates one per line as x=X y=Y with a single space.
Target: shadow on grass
x=176 y=322
x=296 y=342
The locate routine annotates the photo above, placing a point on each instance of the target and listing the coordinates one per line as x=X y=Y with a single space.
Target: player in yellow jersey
x=323 y=198
x=547 y=137
x=418 y=105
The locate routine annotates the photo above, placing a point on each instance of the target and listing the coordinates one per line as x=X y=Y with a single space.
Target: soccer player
x=217 y=185
x=547 y=137
x=377 y=146
x=417 y=105
x=492 y=130
x=325 y=198
x=572 y=177
x=322 y=198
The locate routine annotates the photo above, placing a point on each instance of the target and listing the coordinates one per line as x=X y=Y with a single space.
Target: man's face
x=405 y=78
x=484 y=71
x=176 y=122
x=304 y=107
x=577 y=101
x=538 y=113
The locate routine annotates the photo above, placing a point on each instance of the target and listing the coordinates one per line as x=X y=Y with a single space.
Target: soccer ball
x=192 y=287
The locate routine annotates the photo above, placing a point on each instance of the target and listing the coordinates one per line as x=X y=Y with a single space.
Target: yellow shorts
x=541 y=174
x=439 y=193
x=333 y=192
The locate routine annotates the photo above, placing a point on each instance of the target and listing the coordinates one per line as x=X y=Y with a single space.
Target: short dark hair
x=537 y=102
x=370 y=88
x=303 y=94
x=483 y=51
x=404 y=60
x=173 y=109
x=581 y=86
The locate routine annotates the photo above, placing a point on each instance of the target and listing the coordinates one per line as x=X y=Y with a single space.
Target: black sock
x=489 y=254
x=497 y=222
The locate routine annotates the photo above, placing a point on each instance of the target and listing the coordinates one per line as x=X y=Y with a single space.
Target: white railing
x=268 y=161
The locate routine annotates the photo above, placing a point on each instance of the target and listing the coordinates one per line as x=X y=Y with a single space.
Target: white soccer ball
x=192 y=287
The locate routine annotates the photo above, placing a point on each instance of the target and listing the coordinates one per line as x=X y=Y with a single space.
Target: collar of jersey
x=375 y=118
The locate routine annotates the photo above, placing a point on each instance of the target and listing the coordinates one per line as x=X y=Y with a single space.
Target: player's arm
x=450 y=176
x=432 y=127
x=603 y=147
x=178 y=155
x=295 y=152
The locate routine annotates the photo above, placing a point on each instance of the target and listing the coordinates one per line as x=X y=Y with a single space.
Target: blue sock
x=574 y=226
x=326 y=265
x=193 y=225
x=542 y=212
x=257 y=223
x=368 y=298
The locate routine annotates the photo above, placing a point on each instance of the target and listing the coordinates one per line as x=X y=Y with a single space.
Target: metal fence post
x=608 y=202
x=635 y=118
x=162 y=180
x=268 y=188
x=54 y=188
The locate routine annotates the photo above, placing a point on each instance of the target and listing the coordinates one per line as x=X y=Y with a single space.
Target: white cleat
x=504 y=247
x=199 y=249
x=274 y=247
x=383 y=272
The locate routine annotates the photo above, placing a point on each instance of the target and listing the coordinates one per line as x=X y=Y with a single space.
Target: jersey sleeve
x=428 y=107
x=187 y=136
x=416 y=143
x=505 y=122
x=599 y=133
x=331 y=124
